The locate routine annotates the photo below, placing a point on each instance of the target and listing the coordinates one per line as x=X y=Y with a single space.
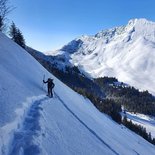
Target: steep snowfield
x=126 y=52
x=31 y=123
x=20 y=78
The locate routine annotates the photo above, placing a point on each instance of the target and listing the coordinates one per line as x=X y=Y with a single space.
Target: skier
x=50 y=86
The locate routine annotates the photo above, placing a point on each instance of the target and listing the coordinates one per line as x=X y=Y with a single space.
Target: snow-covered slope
x=31 y=123
x=126 y=52
x=144 y=120
x=20 y=78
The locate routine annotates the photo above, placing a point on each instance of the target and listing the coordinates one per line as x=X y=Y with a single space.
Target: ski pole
x=43 y=81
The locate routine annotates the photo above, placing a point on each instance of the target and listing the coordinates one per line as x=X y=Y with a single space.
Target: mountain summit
x=126 y=52
x=134 y=28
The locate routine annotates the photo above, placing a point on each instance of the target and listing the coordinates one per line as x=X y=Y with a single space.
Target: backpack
x=50 y=82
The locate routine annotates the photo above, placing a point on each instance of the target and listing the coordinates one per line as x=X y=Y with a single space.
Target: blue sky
x=49 y=24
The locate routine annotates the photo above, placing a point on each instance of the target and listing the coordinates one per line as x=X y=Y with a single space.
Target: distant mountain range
x=125 y=52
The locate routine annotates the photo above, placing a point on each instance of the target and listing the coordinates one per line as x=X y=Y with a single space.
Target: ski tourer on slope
x=50 y=86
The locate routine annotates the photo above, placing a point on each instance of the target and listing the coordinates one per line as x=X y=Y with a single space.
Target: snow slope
x=144 y=120
x=20 y=78
x=31 y=123
x=126 y=52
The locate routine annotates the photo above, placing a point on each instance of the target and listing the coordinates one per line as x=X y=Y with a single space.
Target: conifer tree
x=13 y=31
x=16 y=35
x=20 y=39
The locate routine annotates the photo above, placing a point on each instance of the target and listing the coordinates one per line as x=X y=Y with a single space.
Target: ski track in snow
x=23 y=140
x=90 y=130
x=136 y=152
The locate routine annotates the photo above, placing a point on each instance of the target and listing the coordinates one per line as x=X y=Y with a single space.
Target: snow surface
x=31 y=123
x=144 y=120
x=126 y=52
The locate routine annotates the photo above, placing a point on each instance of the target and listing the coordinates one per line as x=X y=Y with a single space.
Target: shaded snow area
x=126 y=52
x=33 y=124
x=144 y=120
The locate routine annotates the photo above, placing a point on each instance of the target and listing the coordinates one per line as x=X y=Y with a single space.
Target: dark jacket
x=49 y=83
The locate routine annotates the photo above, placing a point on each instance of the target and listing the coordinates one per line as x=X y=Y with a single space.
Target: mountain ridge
x=125 y=52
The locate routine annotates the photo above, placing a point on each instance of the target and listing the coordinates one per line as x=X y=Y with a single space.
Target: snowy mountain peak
x=125 y=52
x=109 y=33
x=140 y=21
x=141 y=27
x=136 y=28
